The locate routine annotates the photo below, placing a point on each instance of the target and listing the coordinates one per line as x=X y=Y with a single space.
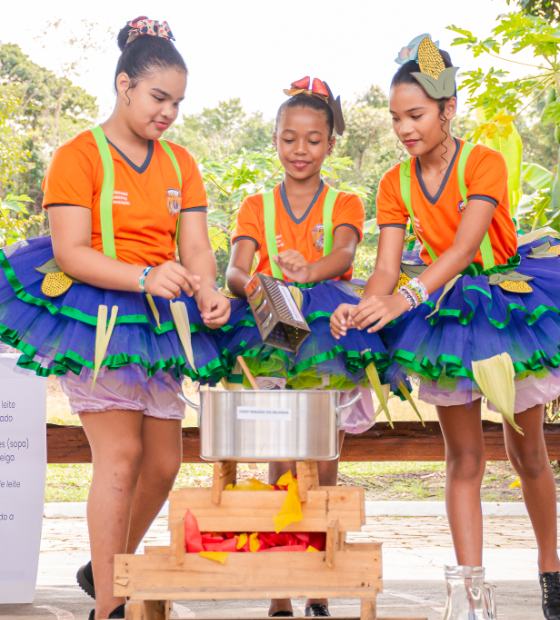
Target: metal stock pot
x=269 y=425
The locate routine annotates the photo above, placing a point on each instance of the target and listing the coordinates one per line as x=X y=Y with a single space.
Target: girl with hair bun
x=475 y=313
x=106 y=306
x=306 y=233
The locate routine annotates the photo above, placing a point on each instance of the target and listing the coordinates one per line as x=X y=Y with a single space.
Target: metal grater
x=280 y=321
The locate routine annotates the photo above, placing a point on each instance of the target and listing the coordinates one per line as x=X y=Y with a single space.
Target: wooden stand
x=343 y=570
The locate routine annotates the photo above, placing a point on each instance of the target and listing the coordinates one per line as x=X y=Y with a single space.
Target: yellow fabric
x=310 y=548
x=254 y=543
x=217 y=556
x=291 y=509
x=241 y=540
x=250 y=485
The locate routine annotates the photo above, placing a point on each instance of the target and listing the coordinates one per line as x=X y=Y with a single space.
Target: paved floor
x=414 y=553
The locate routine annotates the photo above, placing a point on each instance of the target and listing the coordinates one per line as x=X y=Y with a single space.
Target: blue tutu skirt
x=476 y=321
x=58 y=334
x=321 y=361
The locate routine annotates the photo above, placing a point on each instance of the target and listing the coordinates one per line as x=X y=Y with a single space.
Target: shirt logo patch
x=173 y=201
x=461 y=207
x=318 y=234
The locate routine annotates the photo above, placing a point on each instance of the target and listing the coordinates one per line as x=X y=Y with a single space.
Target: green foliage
x=547 y=9
x=222 y=131
x=504 y=100
x=15 y=220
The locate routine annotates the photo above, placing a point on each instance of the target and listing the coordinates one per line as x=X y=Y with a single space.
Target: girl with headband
x=476 y=313
x=106 y=305
x=310 y=241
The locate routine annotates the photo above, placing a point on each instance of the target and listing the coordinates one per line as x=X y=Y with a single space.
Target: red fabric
x=268 y=541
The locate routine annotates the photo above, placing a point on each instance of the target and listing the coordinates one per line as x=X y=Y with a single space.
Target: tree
x=503 y=100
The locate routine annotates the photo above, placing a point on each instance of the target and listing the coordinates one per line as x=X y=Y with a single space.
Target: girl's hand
x=293 y=265
x=379 y=310
x=214 y=308
x=342 y=320
x=169 y=279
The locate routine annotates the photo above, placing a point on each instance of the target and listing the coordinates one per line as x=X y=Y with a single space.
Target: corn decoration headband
x=321 y=90
x=437 y=81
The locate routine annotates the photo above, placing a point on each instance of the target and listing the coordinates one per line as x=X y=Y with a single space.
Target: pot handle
x=351 y=402
x=194 y=406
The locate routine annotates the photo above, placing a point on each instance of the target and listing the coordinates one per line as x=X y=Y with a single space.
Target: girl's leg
x=328 y=475
x=115 y=438
x=162 y=451
x=465 y=458
x=529 y=457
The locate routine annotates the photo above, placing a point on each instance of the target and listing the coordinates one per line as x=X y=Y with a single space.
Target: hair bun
x=122 y=37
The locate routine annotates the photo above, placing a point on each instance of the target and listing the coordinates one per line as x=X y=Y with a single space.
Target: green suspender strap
x=175 y=163
x=405 y=175
x=108 y=188
x=270 y=227
x=486 y=246
x=107 y=191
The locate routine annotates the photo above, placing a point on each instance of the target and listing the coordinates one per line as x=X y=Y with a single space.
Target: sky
x=253 y=49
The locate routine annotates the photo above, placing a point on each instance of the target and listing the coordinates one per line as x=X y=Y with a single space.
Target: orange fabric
x=485 y=175
x=144 y=226
x=305 y=237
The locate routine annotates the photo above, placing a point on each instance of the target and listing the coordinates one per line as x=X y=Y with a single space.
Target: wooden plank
x=332 y=543
x=205 y=594
x=368 y=609
x=177 y=548
x=296 y=571
x=156 y=610
x=148 y=550
x=308 y=478
x=134 y=610
x=409 y=441
x=224 y=474
x=252 y=511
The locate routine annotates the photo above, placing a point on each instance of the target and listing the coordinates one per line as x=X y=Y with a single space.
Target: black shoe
x=117 y=613
x=282 y=614
x=84 y=576
x=317 y=610
x=550 y=585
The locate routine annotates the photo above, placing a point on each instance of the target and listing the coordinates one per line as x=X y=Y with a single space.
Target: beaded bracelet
x=419 y=288
x=410 y=297
x=142 y=279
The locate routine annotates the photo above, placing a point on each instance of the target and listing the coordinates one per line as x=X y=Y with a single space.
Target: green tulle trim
x=463 y=319
x=450 y=367
x=71 y=361
x=268 y=361
x=82 y=317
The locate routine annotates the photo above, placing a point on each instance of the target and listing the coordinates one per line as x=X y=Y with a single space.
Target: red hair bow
x=142 y=26
x=320 y=89
x=302 y=86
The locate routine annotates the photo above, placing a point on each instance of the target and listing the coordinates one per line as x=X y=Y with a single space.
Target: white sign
x=23 y=457
x=291 y=303
x=264 y=413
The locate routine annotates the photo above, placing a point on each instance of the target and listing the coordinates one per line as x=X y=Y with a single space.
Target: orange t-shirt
x=146 y=199
x=438 y=217
x=305 y=234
